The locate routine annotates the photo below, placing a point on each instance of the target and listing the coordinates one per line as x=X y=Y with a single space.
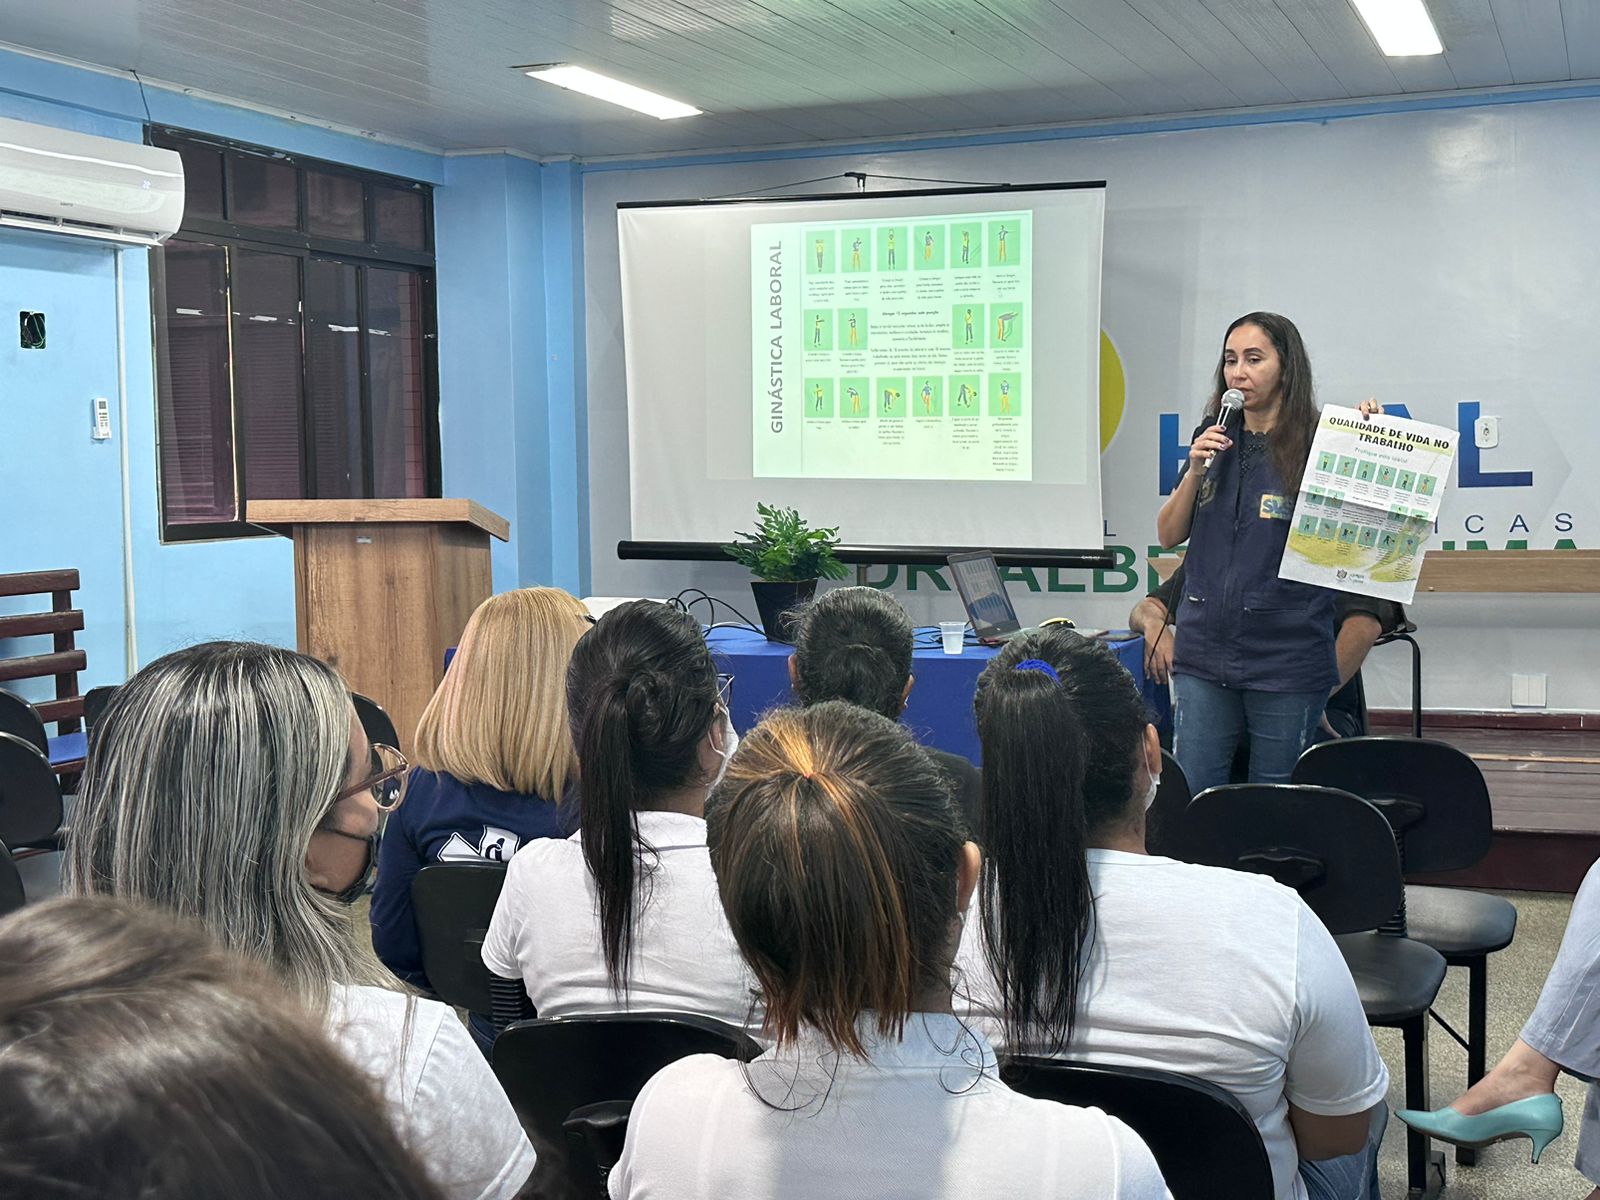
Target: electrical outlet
x=1528 y=691
x=1486 y=433
x=32 y=330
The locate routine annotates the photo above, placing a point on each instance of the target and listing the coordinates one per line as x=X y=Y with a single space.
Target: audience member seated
x=855 y=644
x=137 y=1059
x=232 y=782
x=1087 y=948
x=1517 y=1097
x=623 y=915
x=493 y=757
x=1358 y=623
x=843 y=865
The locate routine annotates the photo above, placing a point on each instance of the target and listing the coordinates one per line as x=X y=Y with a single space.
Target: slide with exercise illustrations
x=894 y=348
x=909 y=365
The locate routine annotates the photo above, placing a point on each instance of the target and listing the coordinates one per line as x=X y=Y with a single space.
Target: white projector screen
x=920 y=369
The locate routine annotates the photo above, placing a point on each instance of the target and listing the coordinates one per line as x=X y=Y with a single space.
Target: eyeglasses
x=387 y=783
x=725 y=691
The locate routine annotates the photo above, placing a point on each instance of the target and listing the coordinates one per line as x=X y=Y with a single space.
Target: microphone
x=1232 y=402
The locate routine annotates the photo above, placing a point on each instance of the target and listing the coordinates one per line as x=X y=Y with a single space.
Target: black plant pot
x=779 y=604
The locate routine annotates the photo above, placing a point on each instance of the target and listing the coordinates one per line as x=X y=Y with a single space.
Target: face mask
x=1150 y=793
x=357 y=887
x=730 y=743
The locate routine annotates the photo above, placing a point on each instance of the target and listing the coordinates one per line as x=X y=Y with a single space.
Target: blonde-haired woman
x=493 y=759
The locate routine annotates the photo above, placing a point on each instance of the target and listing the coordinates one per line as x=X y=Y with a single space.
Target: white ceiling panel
x=773 y=72
x=1534 y=38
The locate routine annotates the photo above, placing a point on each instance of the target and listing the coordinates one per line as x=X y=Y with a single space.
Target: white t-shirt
x=1220 y=974
x=546 y=929
x=924 y=1118
x=446 y=1104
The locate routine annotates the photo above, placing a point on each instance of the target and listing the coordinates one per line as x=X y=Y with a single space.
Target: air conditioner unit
x=58 y=181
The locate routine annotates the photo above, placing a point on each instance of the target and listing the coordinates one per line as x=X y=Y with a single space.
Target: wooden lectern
x=383 y=587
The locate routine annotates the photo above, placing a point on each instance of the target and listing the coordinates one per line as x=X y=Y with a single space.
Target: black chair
x=375 y=723
x=453 y=903
x=1202 y=1138
x=1437 y=803
x=21 y=719
x=1167 y=810
x=1338 y=852
x=1403 y=633
x=94 y=703
x=552 y=1068
x=30 y=796
x=12 y=895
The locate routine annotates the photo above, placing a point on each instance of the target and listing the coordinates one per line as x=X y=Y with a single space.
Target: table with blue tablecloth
x=940 y=709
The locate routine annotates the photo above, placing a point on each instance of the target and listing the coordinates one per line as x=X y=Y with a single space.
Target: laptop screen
x=982 y=590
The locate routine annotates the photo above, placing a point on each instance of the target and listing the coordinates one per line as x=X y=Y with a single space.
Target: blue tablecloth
x=940 y=709
x=69 y=747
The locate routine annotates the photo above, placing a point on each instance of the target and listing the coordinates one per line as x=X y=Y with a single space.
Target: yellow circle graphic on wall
x=1113 y=391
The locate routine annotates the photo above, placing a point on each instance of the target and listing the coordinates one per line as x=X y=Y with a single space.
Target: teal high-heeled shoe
x=1537 y=1118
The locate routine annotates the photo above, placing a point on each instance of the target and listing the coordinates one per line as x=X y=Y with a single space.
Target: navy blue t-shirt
x=444 y=820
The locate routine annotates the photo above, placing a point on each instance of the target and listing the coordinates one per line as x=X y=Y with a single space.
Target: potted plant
x=787 y=558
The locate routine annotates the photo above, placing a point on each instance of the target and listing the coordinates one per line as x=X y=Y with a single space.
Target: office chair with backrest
x=94 y=704
x=30 y=796
x=552 y=1068
x=375 y=723
x=1403 y=633
x=1337 y=851
x=12 y=895
x=20 y=719
x=453 y=904
x=1437 y=803
x=1167 y=809
x=1202 y=1138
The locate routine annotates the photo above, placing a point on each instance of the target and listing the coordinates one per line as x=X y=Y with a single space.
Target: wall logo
x=1113 y=391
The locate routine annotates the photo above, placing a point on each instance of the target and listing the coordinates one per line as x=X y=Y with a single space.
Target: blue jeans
x=1209 y=721
x=1353 y=1177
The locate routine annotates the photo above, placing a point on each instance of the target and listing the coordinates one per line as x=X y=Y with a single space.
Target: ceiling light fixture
x=603 y=87
x=1400 y=27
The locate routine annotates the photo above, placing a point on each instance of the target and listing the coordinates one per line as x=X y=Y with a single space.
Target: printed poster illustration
x=1368 y=502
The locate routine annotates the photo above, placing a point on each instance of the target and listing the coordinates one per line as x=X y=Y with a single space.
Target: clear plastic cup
x=952 y=633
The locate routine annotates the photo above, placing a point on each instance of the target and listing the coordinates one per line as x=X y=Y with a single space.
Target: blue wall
x=510 y=429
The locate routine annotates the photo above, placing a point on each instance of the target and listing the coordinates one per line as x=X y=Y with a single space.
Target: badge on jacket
x=1275 y=507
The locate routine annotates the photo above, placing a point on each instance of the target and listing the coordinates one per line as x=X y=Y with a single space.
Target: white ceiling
x=771 y=72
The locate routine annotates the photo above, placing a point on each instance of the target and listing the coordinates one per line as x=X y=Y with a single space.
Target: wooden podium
x=383 y=587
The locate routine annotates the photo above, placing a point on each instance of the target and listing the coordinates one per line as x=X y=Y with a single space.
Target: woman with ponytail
x=843 y=867
x=1085 y=947
x=624 y=914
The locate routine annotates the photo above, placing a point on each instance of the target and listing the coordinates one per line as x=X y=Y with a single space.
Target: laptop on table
x=989 y=607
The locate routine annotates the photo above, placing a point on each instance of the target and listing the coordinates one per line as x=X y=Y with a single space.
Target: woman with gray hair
x=231 y=782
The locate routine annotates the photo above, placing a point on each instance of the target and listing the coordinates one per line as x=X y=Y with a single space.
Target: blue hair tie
x=1037 y=664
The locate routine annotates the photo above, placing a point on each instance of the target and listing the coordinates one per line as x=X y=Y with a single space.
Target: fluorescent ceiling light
x=1400 y=27
x=603 y=87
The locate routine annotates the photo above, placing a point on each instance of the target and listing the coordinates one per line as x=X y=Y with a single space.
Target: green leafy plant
x=784 y=550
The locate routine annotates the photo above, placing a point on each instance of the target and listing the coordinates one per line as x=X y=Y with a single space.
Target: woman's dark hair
x=139 y=1059
x=1289 y=443
x=1058 y=762
x=835 y=843
x=854 y=644
x=641 y=695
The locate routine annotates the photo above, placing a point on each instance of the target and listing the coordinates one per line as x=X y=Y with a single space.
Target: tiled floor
x=1515 y=976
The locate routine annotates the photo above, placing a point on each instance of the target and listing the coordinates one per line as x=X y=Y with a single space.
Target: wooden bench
x=61 y=621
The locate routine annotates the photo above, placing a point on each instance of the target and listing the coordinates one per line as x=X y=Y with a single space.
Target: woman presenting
x=1255 y=659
